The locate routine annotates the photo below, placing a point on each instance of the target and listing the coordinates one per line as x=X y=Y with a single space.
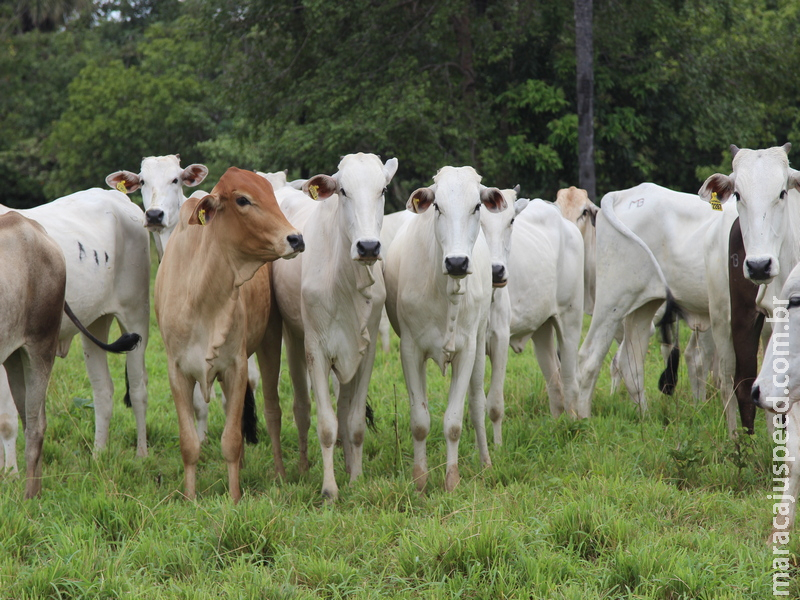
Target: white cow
x=107 y=252
x=439 y=283
x=647 y=246
x=331 y=299
x=542 y=301
x=161 y=180
x=577 y=208
x=777 y=390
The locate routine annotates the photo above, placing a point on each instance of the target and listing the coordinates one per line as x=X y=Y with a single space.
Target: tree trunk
x=583 y=59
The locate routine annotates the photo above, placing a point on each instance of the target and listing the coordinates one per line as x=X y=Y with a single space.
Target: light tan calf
x=213 y=304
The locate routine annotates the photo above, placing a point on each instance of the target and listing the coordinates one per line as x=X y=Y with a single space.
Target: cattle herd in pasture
x=314 y=267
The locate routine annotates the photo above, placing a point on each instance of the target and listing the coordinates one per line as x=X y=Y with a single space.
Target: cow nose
x=368 y=249
x=759 y=268
x=456 y=265
x=755 y=394
x=498 y=273
x=154 y=216
x=296 y=242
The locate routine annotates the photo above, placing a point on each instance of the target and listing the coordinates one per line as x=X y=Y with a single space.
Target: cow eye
x=342 y=192
x=436 y=207
x=477 y=208
x=783 y=194
x=511 y=222
x=141 y=182
x=794 y=301
x=737 y=196
x=585 y=212
x=242 y=201
x=174 y=181
x=383 y=193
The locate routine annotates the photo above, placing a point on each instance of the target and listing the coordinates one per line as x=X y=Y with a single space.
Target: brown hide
x=746 y=324
x=33 y=277
x=213 y=305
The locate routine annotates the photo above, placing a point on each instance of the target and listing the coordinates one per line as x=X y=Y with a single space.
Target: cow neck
x=790 y=248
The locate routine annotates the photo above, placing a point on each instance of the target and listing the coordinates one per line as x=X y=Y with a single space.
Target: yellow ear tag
x=312 y=189
x=121 y=187
x=201 y=216
x=415 y=202
x=715 y=204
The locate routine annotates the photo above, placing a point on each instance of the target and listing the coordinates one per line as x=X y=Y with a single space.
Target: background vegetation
x=92 y=87
x=664 y=507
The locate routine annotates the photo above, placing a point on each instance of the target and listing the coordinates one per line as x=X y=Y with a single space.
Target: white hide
x=439 y=316
x=577 y=208
x=543 y=300
x=649 y=239
x=107 y=252
x=330 y=298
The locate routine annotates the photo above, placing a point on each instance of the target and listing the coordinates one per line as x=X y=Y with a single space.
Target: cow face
x=761 y=185
x=777 y=386
x=360 y=184
x=161 y=180
x=456 y=197
x=243 y=211
x=496 y=228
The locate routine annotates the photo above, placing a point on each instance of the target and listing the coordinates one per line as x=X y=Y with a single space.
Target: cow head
x=577 y=208
x=456 y=197
x=761 y=183
x=360 y=184
x=497 y=231
x=161 y=180
x=777 y=386
x=242 y=210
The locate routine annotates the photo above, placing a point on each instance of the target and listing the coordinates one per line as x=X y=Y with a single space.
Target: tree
x=585 y=92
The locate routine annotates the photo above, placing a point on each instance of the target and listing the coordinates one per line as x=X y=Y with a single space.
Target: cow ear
x=124 y=181
x=520 y=205
x=517 y=189
x=205 y=211
x=389 y=169
x=794 y=179
x=593 y=210
x=421 y=200
x=493 y=199
x=718 y=183
x=194 y=174
x=320 y=187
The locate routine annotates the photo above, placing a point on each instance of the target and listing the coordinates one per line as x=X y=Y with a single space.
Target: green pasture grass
x=661 y=506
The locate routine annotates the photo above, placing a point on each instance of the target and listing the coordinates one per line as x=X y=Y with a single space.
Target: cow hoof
x=330 y=496
x=452 y=479
x=302 y=464
x=141 y=452
x=420 y=477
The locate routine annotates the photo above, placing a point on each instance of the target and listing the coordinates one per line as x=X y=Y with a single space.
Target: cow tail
x=249 y=417
x=125 y=343
x=127 y=398
x=672 y=313
x=370 y=417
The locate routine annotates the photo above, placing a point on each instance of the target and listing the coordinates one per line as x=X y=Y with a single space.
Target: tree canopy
x=91 y=88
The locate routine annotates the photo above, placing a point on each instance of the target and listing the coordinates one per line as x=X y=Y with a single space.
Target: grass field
x=619 y=506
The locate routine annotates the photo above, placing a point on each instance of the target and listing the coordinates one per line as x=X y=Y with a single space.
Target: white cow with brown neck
x=439 y=285
x=331 y=300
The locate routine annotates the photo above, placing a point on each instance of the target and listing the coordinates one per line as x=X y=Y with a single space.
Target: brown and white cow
x=33 y=281
x=213 y=305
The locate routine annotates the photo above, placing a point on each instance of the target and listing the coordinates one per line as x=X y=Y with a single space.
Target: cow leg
x=137 y=376
x=9 y=426
x=269 y=363
x=201 y=407
x=352 y=414
x=616 y=374
x=462 y=365
x=497 y=341
x=414 y=373
x=327 y=426
x=569 y=338
x=100 y=380
x=384 y=330
x=234 y=385
x=298 y=372
x=28 y=376
x=634 y=349
x=544 y=344
x=477 y=397
x=605 y=322
x=182 y=390
x=696 y=365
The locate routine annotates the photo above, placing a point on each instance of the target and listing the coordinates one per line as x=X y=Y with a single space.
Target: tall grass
x=663 y=506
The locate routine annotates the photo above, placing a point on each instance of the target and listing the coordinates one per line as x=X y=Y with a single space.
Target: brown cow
x=33 y=282
x=209 y=328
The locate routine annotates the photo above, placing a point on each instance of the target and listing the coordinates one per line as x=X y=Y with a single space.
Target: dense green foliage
x=295 y=84
x=663 y=507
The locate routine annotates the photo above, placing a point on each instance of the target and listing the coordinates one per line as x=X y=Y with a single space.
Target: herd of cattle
x=464 y=272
